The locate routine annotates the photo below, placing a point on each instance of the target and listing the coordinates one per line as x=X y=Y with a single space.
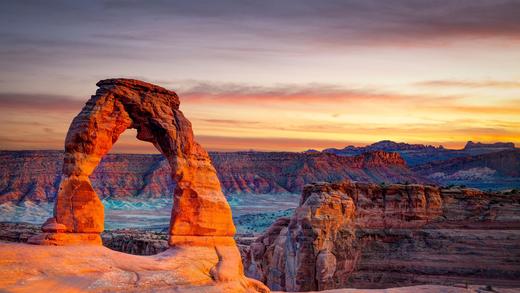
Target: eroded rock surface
x=93 y=268
x=370 y=236
x=200 y=208
x=201 y=217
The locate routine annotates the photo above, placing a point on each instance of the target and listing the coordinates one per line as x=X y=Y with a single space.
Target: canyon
x=365 y=235
x=368 y=236
x=368 y=217
x=35 y=175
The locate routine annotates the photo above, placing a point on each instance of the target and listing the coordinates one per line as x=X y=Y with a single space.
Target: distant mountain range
x=498 y=170
x=35 y=175
x=417 y=154
x=493 y=166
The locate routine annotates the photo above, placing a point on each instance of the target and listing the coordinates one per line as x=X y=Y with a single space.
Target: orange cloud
x=282 y=117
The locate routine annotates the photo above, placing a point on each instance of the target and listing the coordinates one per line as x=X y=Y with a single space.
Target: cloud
x=294 y=22
x=346 y=22
x=30 y=143
x=506 y=109
x=39 y=102
x=499 y=84
x=236 y=93
x=230 y=122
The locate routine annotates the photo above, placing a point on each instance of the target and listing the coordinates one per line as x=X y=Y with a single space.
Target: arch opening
x=134 y=184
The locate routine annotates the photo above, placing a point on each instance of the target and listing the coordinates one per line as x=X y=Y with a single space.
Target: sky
x=280 y=75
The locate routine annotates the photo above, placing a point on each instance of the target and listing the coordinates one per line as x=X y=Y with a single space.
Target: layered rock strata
x=370 y=236
x=284 y=172
x=36 y=175
x=131 y=241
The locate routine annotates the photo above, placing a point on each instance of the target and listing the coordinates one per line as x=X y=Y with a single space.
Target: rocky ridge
x=418 y=154
x=483 y=171
x=370 y=236
x=36 y=175
x=256 y=172
x=131 y=241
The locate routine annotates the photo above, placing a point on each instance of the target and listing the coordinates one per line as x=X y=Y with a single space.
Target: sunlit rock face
x=285 y=172
x=364 y=235
x=200 y=207
x=201 y=216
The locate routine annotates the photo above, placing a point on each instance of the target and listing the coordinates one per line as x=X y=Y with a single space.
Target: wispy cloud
x=311 y=95
x=499 y=84
x=348 y=22
x=230 y=122
x=39 y=102
x=95 y=26
x=235 y=93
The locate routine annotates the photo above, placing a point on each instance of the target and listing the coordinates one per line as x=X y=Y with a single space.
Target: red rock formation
x=272 y=172
x=35 y=175
x=200 y=208
x=201 y=215
x=364 y=236
x=132 y=241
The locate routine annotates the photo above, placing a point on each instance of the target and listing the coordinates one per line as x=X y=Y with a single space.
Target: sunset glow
x=291 y=77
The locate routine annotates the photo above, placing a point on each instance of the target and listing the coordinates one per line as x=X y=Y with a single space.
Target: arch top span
x=200 y=208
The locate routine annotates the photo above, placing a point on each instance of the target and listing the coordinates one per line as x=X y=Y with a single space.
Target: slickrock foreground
x=93 y=268
x=362 y=235
x=201 y=224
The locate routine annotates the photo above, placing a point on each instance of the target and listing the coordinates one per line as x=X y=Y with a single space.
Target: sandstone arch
x=201 y=214
x=201 y=226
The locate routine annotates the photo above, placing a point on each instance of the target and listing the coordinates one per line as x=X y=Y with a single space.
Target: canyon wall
x=35 y=175
x=373 y=236
x=274 y=172
x=131 y=241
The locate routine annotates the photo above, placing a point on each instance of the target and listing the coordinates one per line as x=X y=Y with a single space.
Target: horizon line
x=117 y=150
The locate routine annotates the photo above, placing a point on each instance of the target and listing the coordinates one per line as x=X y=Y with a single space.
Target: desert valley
x=336 y=146
x=360 y=217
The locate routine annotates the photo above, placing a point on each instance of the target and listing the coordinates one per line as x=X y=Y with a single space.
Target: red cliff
x=371 y=236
